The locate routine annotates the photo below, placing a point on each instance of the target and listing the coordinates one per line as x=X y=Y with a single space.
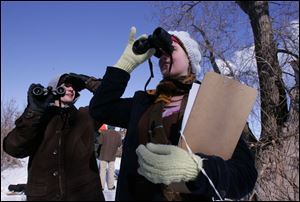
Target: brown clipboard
x=217 y=116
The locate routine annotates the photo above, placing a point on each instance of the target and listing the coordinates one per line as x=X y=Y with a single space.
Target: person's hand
x=38 y=103
x=83 y=81
x=167 y=163
x=129 y=61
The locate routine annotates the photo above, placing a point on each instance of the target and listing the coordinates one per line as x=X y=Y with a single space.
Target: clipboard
x=215 y=115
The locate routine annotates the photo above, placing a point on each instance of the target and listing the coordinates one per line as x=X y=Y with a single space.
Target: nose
x=69 y=89
x=164 y=58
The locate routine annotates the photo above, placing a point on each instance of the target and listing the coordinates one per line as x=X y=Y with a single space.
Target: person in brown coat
x=110 y=140
x=59 y=140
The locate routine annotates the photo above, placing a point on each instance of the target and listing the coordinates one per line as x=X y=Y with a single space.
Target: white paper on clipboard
x=189 y=105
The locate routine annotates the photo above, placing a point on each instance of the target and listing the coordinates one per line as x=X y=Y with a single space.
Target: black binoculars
x=41 y=91
x=161 y=40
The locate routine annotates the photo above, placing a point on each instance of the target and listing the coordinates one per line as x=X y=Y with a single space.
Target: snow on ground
x=18 y=175
x=14 y=175
x=110 y=194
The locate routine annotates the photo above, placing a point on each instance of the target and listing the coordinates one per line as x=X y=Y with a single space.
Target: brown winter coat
x=60 y=146
x=110 y=140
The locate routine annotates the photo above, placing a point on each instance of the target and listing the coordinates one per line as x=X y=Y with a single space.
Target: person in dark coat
x=59 y=140
x=111 y=140
x=151 y=163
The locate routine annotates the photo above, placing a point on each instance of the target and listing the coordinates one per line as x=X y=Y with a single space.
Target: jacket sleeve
x=24 y=139
x=233 y=178
x=106 y=105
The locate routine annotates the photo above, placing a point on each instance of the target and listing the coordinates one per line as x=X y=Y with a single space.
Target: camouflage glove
x=84 y=81
x=92 y=84
x=38 y=103
x=129 y=61
x=167 y=163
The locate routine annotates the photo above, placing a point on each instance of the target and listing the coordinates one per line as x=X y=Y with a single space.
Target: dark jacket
x=233 y=178
x=60 y=146
x=110 y=140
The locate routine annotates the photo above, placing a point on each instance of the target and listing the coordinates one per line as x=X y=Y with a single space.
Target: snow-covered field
x=15 y=175
x=18 y=175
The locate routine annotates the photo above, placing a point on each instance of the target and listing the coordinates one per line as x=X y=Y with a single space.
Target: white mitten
x=167 y=163
x=129 y=61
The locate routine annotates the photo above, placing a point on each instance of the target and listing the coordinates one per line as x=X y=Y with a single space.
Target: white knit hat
x=192 y=48
x=54 y=81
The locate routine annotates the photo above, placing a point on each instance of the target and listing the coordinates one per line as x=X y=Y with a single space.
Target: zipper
x=64 y=118
x=60 y=166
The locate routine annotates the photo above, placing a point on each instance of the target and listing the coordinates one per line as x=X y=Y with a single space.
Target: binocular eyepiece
x=41 y=91
x=161 y=40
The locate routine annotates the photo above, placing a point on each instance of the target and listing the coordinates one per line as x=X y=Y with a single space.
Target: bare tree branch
x=287 y=52
x=210 y=48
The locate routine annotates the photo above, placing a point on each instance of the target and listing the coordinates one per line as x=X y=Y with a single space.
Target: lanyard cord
x=151 y=71
x=151 y=74
x=200 y=167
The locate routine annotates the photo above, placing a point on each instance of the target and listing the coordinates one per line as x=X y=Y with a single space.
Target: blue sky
x=40 y=40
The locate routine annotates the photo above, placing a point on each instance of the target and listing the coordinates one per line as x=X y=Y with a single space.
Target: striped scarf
x=164 y=91
x=169 y=87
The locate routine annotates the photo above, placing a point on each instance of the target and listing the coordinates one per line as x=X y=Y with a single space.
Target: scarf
x=165 y=90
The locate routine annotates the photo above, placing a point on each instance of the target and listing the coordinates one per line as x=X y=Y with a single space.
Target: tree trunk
x=273 y=96
x=277 y=154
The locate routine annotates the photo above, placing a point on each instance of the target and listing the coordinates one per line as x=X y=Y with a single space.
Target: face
x=180 y=66
x=70 y=94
